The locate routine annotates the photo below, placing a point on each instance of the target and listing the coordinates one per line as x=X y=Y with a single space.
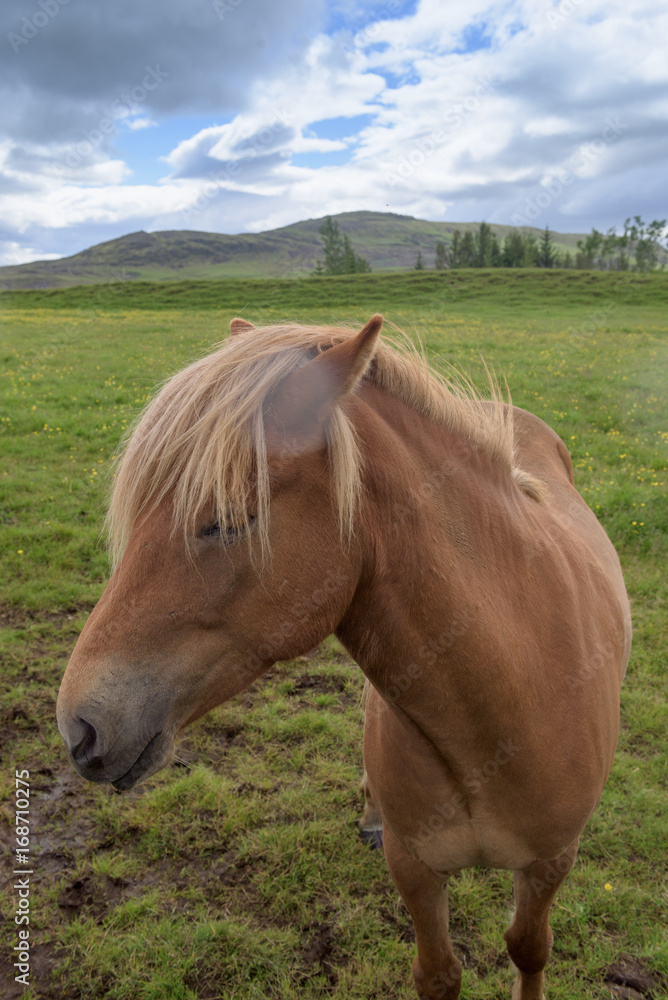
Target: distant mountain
x=388 y=241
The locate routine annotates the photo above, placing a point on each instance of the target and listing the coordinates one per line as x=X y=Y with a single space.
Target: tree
x=590 y=249
x=340 y=258
x=454 y=251
x=318 y=269
x=645 y=242
x=640 y=246
x=419 y=263
x=622 y=260
x=467 y=251
x=530 y=244
x=352 y=262
x=332 y=246
x=483 y=241
x=546 y=254
x=610 y=243
x=441 y=261
x=512 y=254
x=348 y=257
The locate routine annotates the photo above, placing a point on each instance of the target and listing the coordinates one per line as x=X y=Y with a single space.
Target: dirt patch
x=320 y=684
x=204 y=986
x=307 y=687
x=630 y=978
x=641 y=748
x=21 y=717
x=403 y=927
x=94 y=896
x=229 y=870
x=7 y=737
x=318 y=949
x=22 y=617
x=61 y=792
x=224 y=736
x=44 y=959
x=56 y=792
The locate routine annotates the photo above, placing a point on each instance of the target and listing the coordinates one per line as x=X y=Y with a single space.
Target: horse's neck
x=436 y=510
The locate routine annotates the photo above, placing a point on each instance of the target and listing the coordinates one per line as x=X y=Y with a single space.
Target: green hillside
x=388 y=241
x=496 y=292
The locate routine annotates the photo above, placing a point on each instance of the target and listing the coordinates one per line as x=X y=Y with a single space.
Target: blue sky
x=244 y=115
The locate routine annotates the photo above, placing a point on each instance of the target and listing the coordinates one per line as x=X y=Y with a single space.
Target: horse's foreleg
x=436 y=971
x=529 y=938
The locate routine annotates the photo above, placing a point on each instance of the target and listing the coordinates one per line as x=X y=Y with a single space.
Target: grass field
x=237 y=872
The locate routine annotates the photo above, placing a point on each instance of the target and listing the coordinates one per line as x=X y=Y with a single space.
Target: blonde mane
x=201 y=440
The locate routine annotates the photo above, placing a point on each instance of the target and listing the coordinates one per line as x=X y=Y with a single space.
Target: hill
x=389 y=242
x=593 y=297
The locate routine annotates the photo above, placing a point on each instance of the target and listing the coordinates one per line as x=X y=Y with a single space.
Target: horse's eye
x=228 y=532
x=213 y=531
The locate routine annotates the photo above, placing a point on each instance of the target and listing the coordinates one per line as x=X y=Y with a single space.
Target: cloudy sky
x=245 y=115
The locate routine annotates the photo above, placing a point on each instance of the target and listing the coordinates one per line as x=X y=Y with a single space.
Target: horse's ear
x=307 y=396
x=238 y=325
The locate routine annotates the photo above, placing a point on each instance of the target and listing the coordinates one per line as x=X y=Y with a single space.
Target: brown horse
x=301 y=481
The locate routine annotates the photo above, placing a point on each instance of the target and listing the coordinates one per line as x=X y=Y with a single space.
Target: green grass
x=237 y=873
x=592 y=296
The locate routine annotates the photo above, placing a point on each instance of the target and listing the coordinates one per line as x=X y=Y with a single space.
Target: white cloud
x=550 y=125
x=135 y=124
x=71 y=206
x=12 y=252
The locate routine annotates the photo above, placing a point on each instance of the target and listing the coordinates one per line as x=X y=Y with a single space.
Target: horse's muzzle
x=110 y=753
x=144 y=764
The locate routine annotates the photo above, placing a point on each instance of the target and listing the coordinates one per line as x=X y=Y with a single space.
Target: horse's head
x=191 y=616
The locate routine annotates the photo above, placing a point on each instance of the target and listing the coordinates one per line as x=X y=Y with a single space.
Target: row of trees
x=484 y=249
x=639 y=248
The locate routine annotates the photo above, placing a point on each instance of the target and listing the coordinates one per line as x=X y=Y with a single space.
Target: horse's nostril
x=83 y=751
